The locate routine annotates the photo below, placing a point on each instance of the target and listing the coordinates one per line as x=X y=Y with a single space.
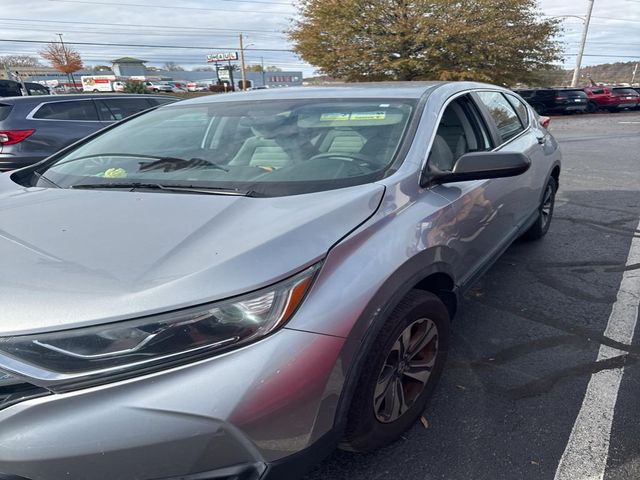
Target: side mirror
x=482 y=166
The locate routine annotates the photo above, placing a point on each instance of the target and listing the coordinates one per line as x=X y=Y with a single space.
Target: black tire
x=539 y=108
x=545 y=212
x=592 y=107
x=418 y=310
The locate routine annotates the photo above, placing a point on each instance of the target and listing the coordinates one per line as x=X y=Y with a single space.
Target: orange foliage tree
x=63 y=58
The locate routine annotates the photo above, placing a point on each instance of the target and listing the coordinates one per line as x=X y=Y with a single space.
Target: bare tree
x=63 y=58
x=172 y=67
x=20 y=61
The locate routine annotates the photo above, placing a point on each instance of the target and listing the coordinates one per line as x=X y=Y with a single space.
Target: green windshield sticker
x=354 y=116
x=334 y=117
x=368 y=116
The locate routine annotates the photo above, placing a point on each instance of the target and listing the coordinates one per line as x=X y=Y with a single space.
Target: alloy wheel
x=406 y=370
x=547 y=206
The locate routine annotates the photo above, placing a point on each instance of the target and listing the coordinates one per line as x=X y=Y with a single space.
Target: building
x=129 y=67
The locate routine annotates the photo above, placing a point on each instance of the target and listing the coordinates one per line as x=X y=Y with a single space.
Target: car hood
x=76 y=257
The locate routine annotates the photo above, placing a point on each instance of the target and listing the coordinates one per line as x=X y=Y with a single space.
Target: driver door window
x=460 y=131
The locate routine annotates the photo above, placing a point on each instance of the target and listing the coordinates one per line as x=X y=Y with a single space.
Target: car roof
x=408 y=90
x=56 y=98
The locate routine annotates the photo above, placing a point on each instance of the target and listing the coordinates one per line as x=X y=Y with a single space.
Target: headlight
x=112 y=349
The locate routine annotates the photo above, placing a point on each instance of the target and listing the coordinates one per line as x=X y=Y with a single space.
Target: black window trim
x=30 y=115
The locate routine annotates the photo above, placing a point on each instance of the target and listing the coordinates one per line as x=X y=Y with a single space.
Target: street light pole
x=242 y=67
x=583 y=42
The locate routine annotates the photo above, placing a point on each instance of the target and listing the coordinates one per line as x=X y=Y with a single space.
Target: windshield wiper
x=162 y=186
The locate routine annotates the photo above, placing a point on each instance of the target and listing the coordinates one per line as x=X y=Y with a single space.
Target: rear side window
x=4 y=111
x=521 y=109
x=81 y=110
x=503 y=114
x=113 y=109
x=625 y=91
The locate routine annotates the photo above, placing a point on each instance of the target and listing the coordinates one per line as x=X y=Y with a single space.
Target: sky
x=208 y=26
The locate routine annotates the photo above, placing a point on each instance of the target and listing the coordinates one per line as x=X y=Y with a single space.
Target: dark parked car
x=34 y=127
x=9 y=88
x=555 y=100
x=611 y=98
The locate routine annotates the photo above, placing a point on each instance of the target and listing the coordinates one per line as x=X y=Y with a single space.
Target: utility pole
x=242 y=68
x=262 y=68
x=583 y=42
x=635 y=71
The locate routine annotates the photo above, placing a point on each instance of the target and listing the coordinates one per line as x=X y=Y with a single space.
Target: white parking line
x=585 y=457
x=629 y=122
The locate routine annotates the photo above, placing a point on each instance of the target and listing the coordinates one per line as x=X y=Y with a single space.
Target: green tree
x=132 y=86
x=498 y=41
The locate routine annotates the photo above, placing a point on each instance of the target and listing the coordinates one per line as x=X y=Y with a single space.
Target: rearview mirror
x=482 y=166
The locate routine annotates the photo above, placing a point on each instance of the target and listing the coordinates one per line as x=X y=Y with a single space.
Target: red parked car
x=611 y=98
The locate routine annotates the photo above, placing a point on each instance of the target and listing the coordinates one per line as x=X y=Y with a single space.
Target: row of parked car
x=580 y=100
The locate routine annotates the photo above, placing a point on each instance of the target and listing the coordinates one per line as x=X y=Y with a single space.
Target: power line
x=171 y=7
x=131 y=33
x=235 y=30
x=191 y=47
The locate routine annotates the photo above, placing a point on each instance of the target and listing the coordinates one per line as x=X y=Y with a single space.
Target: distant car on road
x=36 y=89
x=228 y=287
x=613 y=99
x=159 y=87
x=555 y=100
x=34 y=127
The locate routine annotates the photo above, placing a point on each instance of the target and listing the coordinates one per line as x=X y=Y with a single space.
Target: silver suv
x=228 y=287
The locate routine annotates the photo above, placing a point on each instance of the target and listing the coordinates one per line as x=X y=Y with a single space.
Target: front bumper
x=247 y=409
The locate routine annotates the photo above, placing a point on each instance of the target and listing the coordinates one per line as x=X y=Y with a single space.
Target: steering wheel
x=348 y=157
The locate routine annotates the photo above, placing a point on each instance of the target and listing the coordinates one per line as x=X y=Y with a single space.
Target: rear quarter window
x=521 y=108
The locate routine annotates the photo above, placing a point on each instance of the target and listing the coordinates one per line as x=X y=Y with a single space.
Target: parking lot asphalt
x=526 y=343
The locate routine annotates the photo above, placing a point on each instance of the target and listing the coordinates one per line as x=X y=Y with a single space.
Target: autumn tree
x=498 y=41
x=63 y=58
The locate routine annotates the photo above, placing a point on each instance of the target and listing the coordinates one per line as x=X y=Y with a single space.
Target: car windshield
x=269 y=148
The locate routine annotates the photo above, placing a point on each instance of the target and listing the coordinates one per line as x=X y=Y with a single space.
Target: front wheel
x=592 y=107
x=545 y=212
x=400 y=373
